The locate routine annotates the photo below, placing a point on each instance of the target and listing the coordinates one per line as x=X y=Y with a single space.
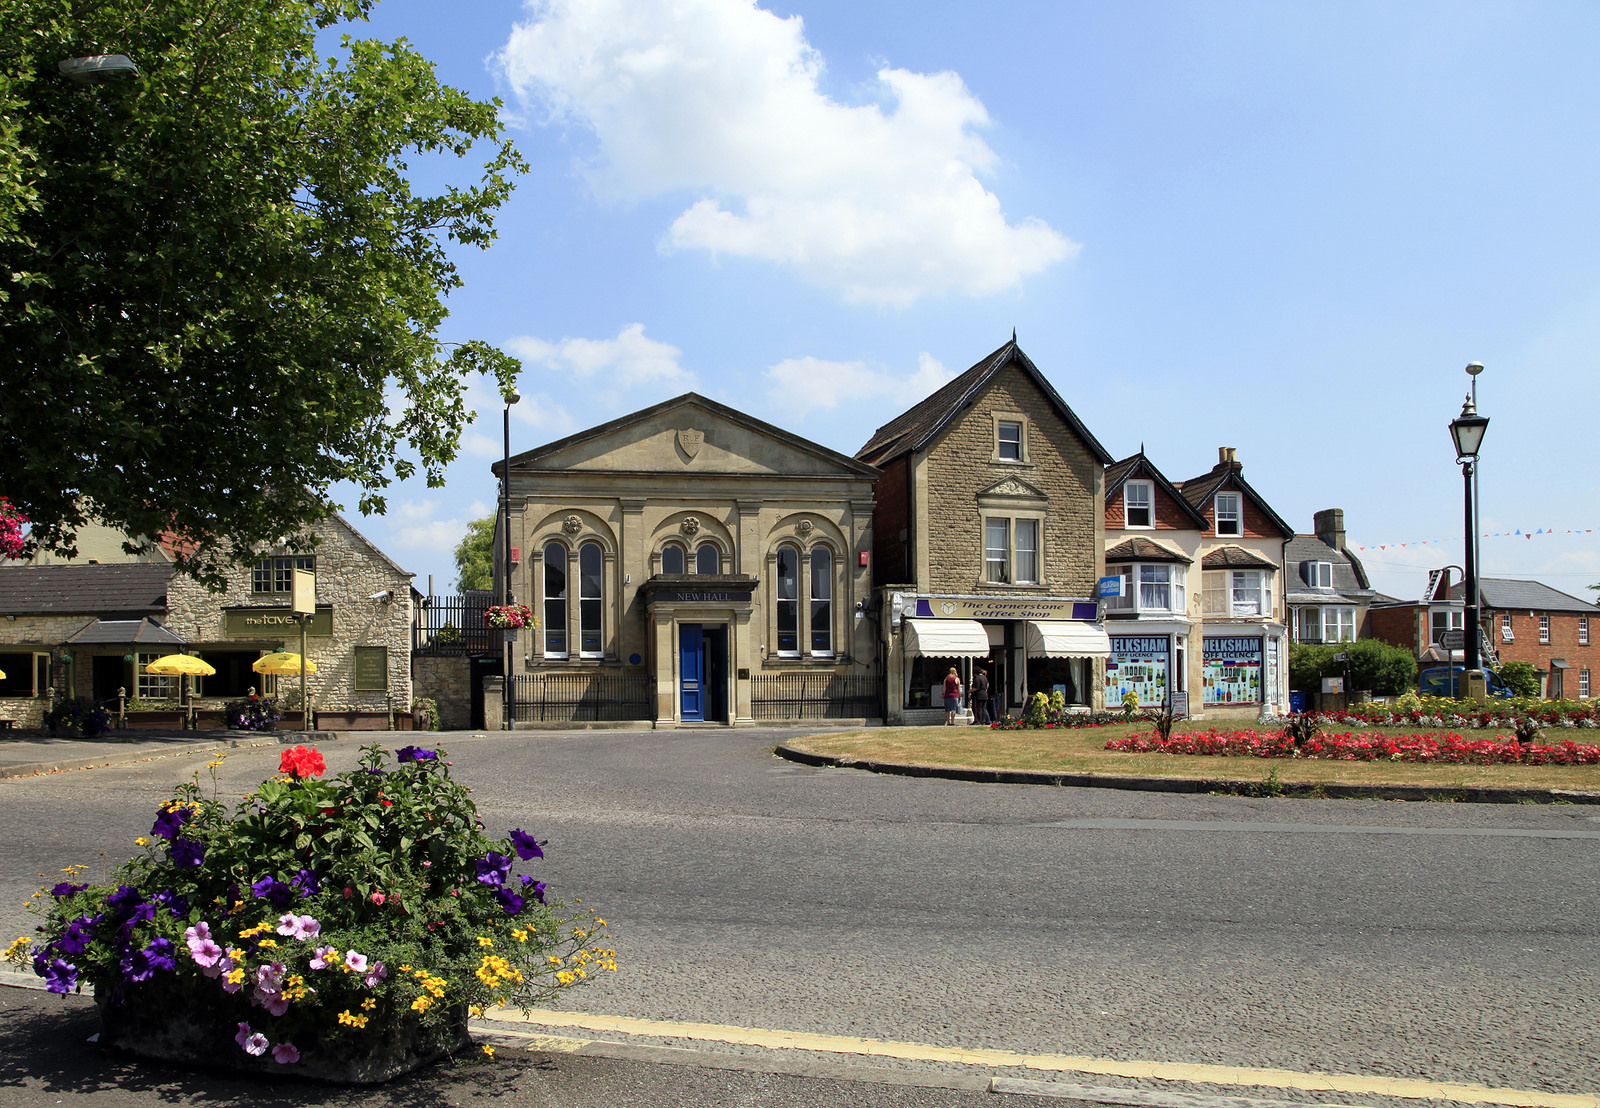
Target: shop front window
x=1139 y=664
x=1232 y=670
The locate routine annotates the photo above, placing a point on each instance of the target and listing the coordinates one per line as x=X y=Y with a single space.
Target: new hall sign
x=273 y=623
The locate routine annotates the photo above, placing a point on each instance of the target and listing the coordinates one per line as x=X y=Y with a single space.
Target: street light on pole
x=1467 y=431
x=508 y=637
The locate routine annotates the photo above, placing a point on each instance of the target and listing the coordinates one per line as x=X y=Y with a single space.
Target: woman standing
x=952 y=697
x=980 y=697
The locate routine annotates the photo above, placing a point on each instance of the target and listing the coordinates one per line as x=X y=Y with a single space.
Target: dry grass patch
x=1082 y=750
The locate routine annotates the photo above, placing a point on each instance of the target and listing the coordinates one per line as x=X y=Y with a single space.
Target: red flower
x=301 y=761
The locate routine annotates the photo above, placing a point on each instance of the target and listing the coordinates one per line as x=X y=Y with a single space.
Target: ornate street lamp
x=507 y=650
x=1467 y=431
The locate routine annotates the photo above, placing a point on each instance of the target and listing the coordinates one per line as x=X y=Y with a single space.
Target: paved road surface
x=1450 y=943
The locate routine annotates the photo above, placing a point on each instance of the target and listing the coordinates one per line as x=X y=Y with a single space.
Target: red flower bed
x=1444 y=749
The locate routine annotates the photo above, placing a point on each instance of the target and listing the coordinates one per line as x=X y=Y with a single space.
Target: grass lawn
x=1082 y=750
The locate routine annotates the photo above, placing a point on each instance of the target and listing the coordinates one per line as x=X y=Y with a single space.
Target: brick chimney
x=1329 y=525
x=1226 y=459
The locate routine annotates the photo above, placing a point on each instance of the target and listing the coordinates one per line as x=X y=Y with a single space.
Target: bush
x=252 y=714
x=77 y=715
x=1522 y=678
x=319 y=916
x=1374 y=666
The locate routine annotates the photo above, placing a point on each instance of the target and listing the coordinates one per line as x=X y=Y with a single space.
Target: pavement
x=27 y=753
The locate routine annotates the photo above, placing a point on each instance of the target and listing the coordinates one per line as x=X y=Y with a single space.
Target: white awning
x=946 y=638
x=1067 y=638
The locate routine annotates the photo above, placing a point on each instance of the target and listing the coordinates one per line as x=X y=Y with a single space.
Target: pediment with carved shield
x=1013 y=490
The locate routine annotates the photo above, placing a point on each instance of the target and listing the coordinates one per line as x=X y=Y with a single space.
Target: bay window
x=1237 y=592
x=1149 y=588
x=1329 y=624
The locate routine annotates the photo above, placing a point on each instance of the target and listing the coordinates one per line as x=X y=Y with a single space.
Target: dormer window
x=1138 y=500
x=1319 y=575
x=1229 y=518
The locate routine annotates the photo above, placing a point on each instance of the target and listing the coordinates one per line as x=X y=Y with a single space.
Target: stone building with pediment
x=989 y=540
x=690 y=564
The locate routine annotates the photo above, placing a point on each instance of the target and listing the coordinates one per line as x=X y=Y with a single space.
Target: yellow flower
x=18 y=951
x=267 y=942
x=484 y=940
x=520 y=935
x=369 y=1004
x=404 y=968
x=488 y=1052
x=236 y=976
x=553 y=960
x=350 y=1019
x=141 y=841
x=565 y=978
x=422 y=1004
x=600 y=922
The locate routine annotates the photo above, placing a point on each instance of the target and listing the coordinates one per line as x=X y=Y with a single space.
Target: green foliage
x=1522 y=678
x=221 y=293
x=475 y=555
x=77 y=715
x=428 y=708
x=1374 y=666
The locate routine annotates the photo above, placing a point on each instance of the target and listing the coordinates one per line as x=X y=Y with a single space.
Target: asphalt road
x=1452 y=943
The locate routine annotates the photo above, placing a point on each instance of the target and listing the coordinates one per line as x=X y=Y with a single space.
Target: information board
x=372 y=669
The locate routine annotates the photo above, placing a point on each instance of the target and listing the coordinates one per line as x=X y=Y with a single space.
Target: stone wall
x=1059 y=464
x=448 y=680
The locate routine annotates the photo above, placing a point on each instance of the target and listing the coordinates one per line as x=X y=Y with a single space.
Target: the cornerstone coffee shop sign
x=273 y=623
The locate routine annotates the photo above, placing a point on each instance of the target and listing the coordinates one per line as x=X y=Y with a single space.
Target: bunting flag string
x=1519 y=533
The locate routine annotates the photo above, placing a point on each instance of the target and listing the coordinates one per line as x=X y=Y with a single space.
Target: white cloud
x=629 y=359
x=800 y=386
x=880 y=201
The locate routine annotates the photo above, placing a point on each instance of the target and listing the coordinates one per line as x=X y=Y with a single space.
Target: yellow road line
x=1198 y=1073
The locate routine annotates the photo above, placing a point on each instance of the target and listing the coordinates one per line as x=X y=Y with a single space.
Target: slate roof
x=1234 y=557
x=1198 y=491
x=123 y=632
x=1529 y=596
x=1349 y=577
x=1137 y=548
x=132 y=588
x=917 y=426
x=1119 y=473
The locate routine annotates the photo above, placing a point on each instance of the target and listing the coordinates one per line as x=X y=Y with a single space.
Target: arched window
x=591 y=613
x=821 y=600
x=708 y=559
x=672 y=558
x=788 y=601
x=555 y=600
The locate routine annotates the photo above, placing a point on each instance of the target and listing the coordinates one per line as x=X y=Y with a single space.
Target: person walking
x=980 y=697
x=952 y=697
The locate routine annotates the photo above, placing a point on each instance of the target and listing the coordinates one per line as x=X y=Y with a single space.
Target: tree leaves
x=221 y=292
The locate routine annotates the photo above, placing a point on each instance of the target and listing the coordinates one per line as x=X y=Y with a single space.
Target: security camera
x=386 y=595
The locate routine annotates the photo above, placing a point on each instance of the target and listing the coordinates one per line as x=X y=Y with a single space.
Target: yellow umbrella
x=282 y=662
x=181 y=663
x=2 y=675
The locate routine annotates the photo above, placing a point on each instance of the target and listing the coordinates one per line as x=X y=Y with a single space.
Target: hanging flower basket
x=508 y=616
x=341 y=929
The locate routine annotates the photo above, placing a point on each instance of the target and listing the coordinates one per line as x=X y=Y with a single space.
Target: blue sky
x=1284 y=228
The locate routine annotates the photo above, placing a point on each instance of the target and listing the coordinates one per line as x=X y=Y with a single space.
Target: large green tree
x=219 y=292
x=475 y=555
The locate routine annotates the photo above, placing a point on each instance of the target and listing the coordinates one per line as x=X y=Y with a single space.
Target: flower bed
x=1433 y=711
x=1443 y=749
x=339 y=928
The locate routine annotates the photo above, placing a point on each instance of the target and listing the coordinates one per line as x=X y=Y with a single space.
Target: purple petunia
x=142 y=965
x=306 y=883
x=186 y=854
x=172 y=902
x=509 y=900
x=60 y=976
x=415 y=754
x=526 y=845
x=66 y=889
x=77 y=937
x=494 y=869
x=535 y=888
x=170 y=819
x=270 y=888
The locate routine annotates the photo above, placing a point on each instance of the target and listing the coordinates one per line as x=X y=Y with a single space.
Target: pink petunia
x=375 y=974
x=356 y=962
x=299 y=928
x=285 y=1054
x=326 y=957
x=251 y=1042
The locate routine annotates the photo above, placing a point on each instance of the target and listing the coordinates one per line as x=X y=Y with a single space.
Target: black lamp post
x=507 y=650
x=1467 y=430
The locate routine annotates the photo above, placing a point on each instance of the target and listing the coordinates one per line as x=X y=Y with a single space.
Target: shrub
x=319 y=916
x=1522 y=678
x=1374 y=666
x=77 y=715
x=254 y=713
x=428 y=709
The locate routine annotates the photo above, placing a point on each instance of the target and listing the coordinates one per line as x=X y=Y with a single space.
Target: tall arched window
x=788 y=601
x=821 y=600
x=555 y=600
x=708 y=559
x=591 y=613
x=672 y=558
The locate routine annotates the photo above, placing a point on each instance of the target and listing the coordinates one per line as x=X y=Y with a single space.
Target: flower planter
x=155 y=719
x=193 y=1023
x=357 y=720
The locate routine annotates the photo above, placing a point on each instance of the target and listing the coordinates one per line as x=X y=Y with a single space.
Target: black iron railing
x=454 y=625
x=580 y=697
x=814 y=696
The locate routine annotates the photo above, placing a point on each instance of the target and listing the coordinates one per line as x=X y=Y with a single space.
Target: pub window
x=155 y=686
x=591 y=572
x=23 y=675
x=672 y=558
x=708 y=559
x=555 y=600
x=821 y=600
x=276 y=575
x=788 y=601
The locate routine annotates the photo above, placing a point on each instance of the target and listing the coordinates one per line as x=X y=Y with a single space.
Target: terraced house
x=988 y=541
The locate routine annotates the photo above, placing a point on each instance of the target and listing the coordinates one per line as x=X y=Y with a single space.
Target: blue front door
x=691 y=672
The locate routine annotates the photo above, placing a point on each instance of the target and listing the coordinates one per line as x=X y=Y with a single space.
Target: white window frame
x=1003 y=441
x=1544 y=630
x=791 y=601
x=1139 y=496
x=1025 y=569
x=553 y=605
x=1455 y=620
x=1583 y=630
x=274 y=576
x=1583 y=684
x=1235 y=514
x=590 y=605
x=996 y=554
x=155 y=686
x=1005 y=558
x=1317 y=575
x=1507 y=634
x=824 y=602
